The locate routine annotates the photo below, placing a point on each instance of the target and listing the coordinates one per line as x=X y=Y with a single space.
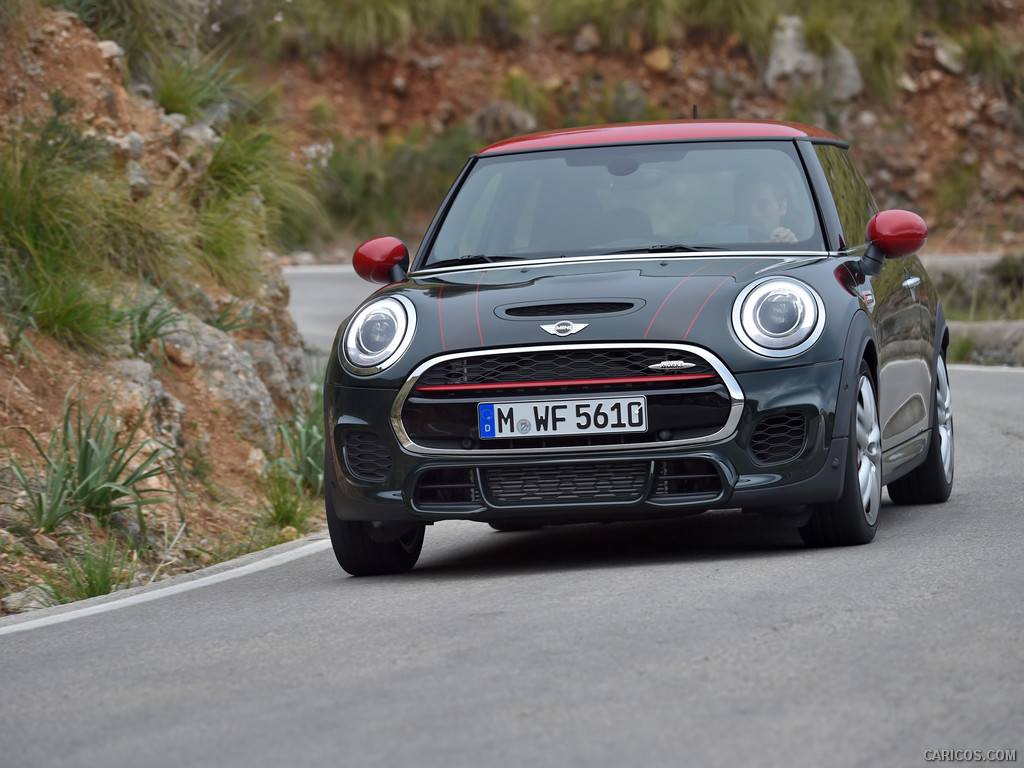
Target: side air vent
x=778 y=438
x=366 y=455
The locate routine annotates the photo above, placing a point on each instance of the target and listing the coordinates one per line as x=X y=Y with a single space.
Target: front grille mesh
x=559 y=365
x=778 y=438
x=687 y=398
x=561 y=484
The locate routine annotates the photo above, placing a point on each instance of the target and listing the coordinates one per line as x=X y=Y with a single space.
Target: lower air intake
x=568 y=484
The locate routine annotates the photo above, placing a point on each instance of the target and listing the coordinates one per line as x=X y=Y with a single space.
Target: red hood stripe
x=678 y=285
x=479 y=328
x=730 y=277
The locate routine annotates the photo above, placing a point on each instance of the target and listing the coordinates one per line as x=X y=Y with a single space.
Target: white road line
x=174 y=589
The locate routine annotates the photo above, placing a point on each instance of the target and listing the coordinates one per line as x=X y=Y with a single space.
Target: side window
x=853 y=199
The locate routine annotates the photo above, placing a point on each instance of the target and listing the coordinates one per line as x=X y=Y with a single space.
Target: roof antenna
x=694 y=111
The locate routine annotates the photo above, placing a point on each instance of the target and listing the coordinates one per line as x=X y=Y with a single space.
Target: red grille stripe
x=566 y=382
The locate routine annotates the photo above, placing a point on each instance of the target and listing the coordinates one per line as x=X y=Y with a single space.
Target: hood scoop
x=569 y=308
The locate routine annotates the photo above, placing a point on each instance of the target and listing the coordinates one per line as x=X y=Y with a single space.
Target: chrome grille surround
x=725 y=378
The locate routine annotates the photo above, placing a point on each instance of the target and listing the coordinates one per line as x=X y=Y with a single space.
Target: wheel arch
x=860 y=345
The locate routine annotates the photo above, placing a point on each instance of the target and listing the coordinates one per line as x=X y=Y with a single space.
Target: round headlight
x=778 y=317
x=378 y=334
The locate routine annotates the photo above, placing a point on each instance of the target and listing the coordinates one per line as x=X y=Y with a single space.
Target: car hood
x=657 y=299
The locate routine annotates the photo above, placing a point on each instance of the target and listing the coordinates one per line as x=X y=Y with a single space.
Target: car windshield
x=653 y=198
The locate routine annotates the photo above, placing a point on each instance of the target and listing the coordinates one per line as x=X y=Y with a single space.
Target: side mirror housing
x=380 y=260
x=892 y=235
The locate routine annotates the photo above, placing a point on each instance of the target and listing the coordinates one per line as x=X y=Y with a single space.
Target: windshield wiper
x=469 y=258
x=667 y=248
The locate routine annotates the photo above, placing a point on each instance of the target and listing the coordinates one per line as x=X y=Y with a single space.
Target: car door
x=898 y=300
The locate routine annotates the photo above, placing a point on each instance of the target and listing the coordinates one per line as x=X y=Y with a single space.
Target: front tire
x=932 y=482
x=360 y=554
x=853 y=518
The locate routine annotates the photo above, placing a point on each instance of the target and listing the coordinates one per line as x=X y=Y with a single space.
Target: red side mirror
x=897 y=233
x=374 y=259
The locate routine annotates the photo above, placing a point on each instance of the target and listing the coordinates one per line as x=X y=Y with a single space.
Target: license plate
x=548 y=418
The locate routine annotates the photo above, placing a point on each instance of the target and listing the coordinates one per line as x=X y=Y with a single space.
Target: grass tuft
x=98 y=570
x=93 y=465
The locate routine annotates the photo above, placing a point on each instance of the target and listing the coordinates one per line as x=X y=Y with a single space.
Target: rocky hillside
x=946 y=144
x=217 y=397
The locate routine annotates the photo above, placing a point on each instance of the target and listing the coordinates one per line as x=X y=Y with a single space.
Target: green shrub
x=302 y=446
x=500 y=22
x=251 y=176
x=284 y=506
x=48 y=187
x=92 y=465
x=1008 y=272
x=149 y=321
x=989 y=54
x=518 y=88
x=185 y=84
x=615 y=20
x=358 y=29
x=98 y=570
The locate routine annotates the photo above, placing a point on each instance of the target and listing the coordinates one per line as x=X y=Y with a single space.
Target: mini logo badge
x=564 y=328
x=671 y=365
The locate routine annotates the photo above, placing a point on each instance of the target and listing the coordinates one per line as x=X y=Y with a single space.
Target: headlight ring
x=377 y=335
x=778 y=317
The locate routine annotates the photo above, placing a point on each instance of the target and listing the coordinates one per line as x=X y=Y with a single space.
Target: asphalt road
x=320 y=297
x=711 y=641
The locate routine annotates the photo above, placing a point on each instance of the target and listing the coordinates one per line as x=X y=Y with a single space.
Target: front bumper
x=785 y=451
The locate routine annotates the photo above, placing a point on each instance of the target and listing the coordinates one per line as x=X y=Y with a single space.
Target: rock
x=790 y=59
x=140 y=184
x=791 y=63
x=203 y=135
x=501 y=120
x=134 y=145
x=276 y=368
x=229 y=374
x=659 y=60
x=137 y=390
x=111 y=51
x=950 y=56
x=31 y=599
x=629 y=103
x=843 y=80
x=587 y=39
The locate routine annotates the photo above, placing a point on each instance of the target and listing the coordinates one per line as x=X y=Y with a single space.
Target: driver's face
x=762 y=207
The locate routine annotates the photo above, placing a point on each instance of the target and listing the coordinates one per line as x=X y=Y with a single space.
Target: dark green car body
x=588 y=335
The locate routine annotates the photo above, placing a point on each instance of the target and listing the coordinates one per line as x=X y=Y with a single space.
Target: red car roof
x=633 y=133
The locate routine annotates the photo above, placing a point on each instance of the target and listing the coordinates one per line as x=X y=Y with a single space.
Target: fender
x=860 y=345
